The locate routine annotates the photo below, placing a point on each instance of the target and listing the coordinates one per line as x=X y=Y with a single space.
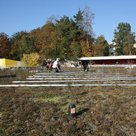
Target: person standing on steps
x=56 y=65
x=49 y=65
x=85 y=64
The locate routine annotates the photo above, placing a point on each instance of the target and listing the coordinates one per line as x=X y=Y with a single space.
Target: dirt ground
x=43 y=111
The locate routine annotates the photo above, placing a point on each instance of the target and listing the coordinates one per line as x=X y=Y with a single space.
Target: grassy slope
x=101 y=111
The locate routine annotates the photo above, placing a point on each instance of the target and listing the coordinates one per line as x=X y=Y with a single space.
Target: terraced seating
x=67 y=78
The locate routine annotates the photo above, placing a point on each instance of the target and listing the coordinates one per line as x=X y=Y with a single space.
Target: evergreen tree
x=16 y=45
x=28 y=45
x=124 y=39
x=101 y=47
x=67 y=39
x=79 y=19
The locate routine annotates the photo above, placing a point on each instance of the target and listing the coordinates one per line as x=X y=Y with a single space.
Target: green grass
x=46 y=99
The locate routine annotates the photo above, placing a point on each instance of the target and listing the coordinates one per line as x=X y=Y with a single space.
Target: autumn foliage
x=66 y=38
x=31 y=59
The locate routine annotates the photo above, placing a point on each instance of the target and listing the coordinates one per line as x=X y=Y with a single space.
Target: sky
x=26 y=15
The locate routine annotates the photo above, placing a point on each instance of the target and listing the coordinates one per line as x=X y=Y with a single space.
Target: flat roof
x=109 y=57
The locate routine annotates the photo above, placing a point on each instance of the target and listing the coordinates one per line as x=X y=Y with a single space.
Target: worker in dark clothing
x=85 y=65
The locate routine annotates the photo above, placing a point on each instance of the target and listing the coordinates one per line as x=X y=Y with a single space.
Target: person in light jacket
x=56 y=65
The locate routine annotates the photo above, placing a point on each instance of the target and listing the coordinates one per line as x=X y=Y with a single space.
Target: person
x=56 y=65
x=49 y=65
x=85 y=65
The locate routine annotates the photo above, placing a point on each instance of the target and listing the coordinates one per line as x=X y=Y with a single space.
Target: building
x=111 y=60
x=7 y=63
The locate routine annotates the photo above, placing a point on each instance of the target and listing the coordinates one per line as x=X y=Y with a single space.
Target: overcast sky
x=25 y=15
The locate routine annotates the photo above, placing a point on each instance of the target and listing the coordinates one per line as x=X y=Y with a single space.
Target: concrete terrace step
x=80 y=78
x=74 y=79
x=71 y=81
x=66 y=85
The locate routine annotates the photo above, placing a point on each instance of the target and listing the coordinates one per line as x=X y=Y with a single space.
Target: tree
x=75 y=50
x=28 y=45
x=31 y=59
x=4 y=46
x=124 y=39
x=101 y=47
x=88 y=17
x=84 y=20
x=66 y=41
x=16 y=45
x=44 y=39
x=65 y=38
x=128 y=47
x=79 y=19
